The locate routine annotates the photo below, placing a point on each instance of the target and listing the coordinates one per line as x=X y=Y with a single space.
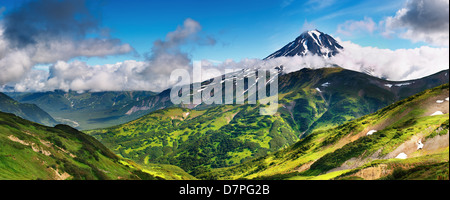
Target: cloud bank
x=153 y=74
x=47 y=31
x=395 y=65
x=421 y=20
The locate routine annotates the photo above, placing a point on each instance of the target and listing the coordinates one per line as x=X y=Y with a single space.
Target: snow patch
x=440 y=101
x=419 y=145
x=291 y=44
x=402 y=84
x=305 y=46
x=325 y=84
x=371 y=132
x=398 y=84
x=437 y=113
x=310 y=34
x=402 y=156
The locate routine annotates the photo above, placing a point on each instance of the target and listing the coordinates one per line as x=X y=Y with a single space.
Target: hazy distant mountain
x=91 y=110
x=27 y=111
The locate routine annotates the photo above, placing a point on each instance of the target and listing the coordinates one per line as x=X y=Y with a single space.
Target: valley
x=94 y=109
x=224 y=136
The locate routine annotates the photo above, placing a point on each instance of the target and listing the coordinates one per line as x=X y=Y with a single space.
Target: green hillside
x=199 y=140
x=315 y=99
x=347 y=152
x=27 y=111
x=31 y=151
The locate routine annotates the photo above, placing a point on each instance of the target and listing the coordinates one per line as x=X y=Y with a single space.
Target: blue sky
x=242 y=29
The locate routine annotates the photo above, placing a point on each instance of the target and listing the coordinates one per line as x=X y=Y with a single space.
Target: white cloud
x=421 y=20
x=27 y=40
x=13 y=65
x=52 y=51
x=352 y=27
x=152 y=74
x=401 y=64
x=79 y=76
x=16 y=62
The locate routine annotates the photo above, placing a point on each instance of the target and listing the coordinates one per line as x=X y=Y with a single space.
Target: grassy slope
x=329 y=150
x=344 y=95
x=199 y=140
x=31 y=151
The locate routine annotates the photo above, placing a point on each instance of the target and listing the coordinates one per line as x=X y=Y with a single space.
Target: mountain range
x=91 y=110
x=332 y=123
x=25 y=110
x=226 y=135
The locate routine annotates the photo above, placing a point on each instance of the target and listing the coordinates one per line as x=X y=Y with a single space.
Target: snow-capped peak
x=311 y=42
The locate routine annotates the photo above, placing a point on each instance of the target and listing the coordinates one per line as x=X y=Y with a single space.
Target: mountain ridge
x=30 y=151
x=25 y=110
x=90 y=109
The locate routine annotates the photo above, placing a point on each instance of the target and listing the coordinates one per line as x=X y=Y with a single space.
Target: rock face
x=310 y=43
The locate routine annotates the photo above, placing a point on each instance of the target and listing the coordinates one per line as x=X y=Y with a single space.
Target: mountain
x=309 y=43
x=92 y=110
x=31 y=151
x=198 y=140
x=406 y=140
x=27 y=111
x=327 y=97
